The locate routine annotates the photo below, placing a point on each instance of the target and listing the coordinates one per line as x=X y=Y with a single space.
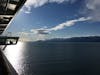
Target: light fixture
x=11 y=6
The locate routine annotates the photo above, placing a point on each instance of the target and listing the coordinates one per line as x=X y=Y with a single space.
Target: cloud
x=92 y=4
x=69 y=23
x=38 y=3
x=93 y=9
x=30 y=36
x=61 y=26
x=43 y=31
x=40 y=31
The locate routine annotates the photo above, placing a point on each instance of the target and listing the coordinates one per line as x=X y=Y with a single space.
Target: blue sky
x=46 y=19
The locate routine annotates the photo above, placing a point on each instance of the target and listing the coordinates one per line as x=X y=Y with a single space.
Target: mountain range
x=74 y=39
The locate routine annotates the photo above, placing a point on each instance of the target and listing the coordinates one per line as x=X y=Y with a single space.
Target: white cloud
x=69 y=23
x=38 y=3
x=92 y=6
x=44 y=31
x=30 y=36
x=93 y=9
x=41 y=33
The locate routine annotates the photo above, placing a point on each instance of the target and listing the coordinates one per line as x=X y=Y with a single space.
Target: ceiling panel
x=8 y=9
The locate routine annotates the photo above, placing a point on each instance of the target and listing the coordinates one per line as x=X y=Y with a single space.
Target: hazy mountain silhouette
x=75 y=39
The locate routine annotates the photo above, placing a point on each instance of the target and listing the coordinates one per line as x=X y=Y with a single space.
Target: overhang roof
x=8 y=9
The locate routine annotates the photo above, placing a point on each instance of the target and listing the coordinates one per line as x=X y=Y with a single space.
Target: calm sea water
x=55 y=58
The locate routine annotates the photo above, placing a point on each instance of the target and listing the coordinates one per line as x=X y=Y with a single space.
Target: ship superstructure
x=8 y=10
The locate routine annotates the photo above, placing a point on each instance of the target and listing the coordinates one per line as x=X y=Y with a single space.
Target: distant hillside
x=75 y=39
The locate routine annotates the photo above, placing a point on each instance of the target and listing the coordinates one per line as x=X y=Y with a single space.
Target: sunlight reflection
x=15 y=54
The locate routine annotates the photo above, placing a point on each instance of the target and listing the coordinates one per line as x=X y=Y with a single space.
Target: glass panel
x=58 y=37
x=11 y=41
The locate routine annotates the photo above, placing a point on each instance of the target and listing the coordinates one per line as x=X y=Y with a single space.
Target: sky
x=47 y=19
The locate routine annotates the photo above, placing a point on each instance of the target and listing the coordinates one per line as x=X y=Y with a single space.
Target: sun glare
x=13 y=53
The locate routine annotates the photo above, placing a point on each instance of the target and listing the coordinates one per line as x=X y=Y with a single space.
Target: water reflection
x=55 y=58
x=15 y=54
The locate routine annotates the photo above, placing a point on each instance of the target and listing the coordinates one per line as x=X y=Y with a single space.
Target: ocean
x=55 y=58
